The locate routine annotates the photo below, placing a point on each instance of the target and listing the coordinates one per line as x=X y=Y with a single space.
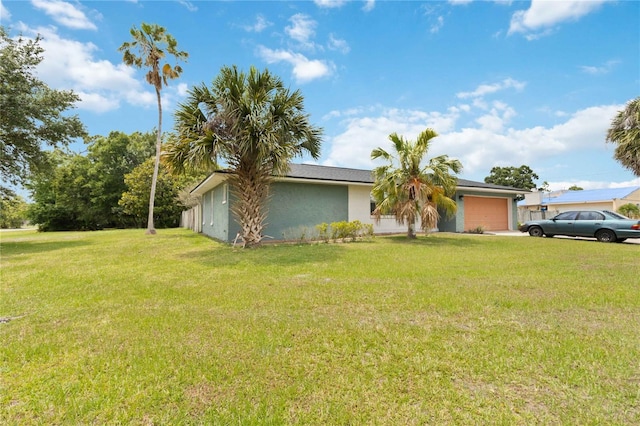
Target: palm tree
x=625 y=131
x=152 y=43
x=407 y=190
x=255 y=126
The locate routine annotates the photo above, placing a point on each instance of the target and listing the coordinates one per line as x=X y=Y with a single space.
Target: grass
x=116 y=327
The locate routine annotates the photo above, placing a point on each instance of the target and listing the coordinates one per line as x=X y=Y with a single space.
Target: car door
x=562 y=224
x=587 y=223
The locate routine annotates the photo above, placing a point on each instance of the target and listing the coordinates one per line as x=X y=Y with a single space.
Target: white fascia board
x=490 y=190
x=214 y=179
x=323 y=181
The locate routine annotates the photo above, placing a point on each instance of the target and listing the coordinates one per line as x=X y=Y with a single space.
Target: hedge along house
x=310 y=194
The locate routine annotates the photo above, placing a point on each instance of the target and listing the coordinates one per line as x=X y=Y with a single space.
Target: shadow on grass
x=435 y=240
x=269 y=254
x=16 y=248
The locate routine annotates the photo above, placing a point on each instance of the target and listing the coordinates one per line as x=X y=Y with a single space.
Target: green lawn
x=117 y=327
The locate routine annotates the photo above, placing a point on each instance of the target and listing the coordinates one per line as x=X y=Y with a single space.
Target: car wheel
x=535 y=231
x=620 y=240
x=606 y=236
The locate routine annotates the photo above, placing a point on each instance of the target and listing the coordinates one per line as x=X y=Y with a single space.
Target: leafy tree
x=62 y=198
x=516 y=177
x=575 y=188
x=629 y=210
x=625 y=132
x=13 y=211
x=31 y=112
x=167 y=204
x=152 y=43
x=111 y=158
x=409 y=190
x=255 y=125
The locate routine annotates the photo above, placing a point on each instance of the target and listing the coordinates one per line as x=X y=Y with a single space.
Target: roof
x=592 y=195
x=347 y=175
x=336 y=174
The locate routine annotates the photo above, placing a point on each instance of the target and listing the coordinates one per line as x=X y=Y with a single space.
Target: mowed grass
x=117 y=327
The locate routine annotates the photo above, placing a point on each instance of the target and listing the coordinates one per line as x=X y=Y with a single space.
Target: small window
x=225 y=192
x=211 y=194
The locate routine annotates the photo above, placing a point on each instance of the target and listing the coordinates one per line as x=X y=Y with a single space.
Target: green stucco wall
x=298 y=207
x=216 y=214
x=294 y=208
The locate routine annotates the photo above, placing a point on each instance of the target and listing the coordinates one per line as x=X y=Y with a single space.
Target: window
x=225 y=191
x=566 y=216
x=590 y=216
x=211 y=195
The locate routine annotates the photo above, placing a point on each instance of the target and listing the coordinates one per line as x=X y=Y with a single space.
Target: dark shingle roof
x=338 y=174
x=341 y=174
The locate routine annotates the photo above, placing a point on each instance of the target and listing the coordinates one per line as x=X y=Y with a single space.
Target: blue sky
x=504 y=83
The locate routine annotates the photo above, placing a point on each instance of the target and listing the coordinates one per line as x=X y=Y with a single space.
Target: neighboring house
x=309 y=195
x=540 y=204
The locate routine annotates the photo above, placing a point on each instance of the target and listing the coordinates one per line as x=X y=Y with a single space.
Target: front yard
x=119 y=327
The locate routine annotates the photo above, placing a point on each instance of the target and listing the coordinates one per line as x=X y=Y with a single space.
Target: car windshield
x=614 y=215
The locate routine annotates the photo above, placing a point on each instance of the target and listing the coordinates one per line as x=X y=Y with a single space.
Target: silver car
x=604 y=225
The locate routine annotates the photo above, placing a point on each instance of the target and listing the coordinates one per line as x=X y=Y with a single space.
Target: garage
x=491 y=213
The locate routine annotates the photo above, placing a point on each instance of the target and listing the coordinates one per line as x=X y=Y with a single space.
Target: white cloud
x=260 y=25
x=190 y=6
x=591 y=184
x=5 y=15
x=329 y=3
x=438 y=25
x=338 y=44
x=543 y=14
x=302 y=29
x=486 y=89
x=65 y=14
x=369 y=5
x=70 y=64
x=304 y=69
x=484 y=142
x=606 y=68
x=353 y=147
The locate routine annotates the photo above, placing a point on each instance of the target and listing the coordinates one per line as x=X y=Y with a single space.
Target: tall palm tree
x=625 y=131
x=152 y=43
x=254 y=126
x=410 y=191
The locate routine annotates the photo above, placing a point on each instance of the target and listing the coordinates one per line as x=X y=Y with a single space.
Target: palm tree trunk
x=410 y=230
x=250 y=189
x=154 y=180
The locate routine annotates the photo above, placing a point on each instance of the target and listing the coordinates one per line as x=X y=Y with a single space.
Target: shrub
x=630 y=210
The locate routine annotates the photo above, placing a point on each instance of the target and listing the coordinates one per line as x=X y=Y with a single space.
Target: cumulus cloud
x=102 y=85
x=605 y=68
x=304 y=69
x=65 y=14
x=437 y=25
x=329 y=4
x=486 y=89
x=302 y=29
x=338 y=44
x=363 y=133
x=260 y=25
x=486 y=140
x=543 y=15
x=5 y=15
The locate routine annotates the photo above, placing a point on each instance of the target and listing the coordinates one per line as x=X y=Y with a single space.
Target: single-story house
x=310 y=195
x=547 y=204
